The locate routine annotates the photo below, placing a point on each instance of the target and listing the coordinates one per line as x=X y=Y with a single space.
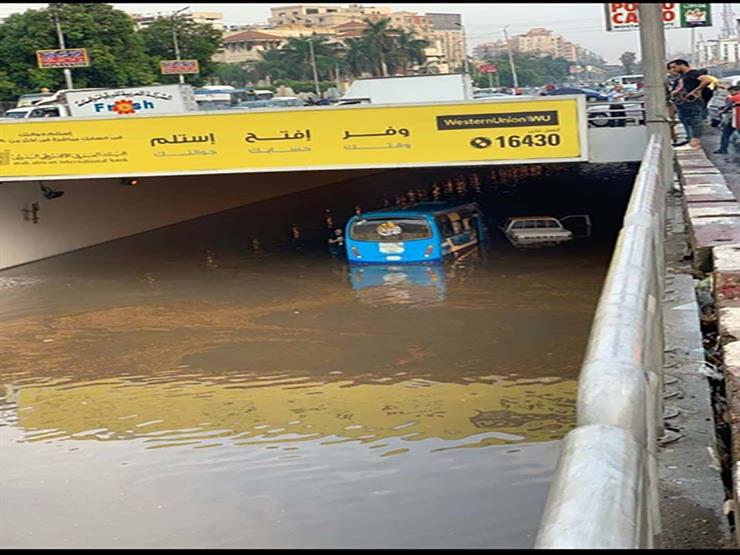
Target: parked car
x=484 y=96
x=591 y=94
x=599 y=114
x=541 y=231
x=275 y=102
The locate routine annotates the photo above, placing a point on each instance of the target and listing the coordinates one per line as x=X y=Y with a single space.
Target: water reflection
x=251 y=409
x=412 y=284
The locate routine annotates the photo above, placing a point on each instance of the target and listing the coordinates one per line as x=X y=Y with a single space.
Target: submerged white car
x=541 y=231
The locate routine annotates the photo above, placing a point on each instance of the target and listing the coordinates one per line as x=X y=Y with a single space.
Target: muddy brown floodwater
x=187 y=388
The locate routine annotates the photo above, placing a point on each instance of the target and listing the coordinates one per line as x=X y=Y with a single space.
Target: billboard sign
x=625 y=17
x=487 y=68
x=68 y=57
x=347 y=137
x=171 y=67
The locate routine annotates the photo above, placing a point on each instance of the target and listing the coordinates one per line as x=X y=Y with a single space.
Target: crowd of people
x=689 y=92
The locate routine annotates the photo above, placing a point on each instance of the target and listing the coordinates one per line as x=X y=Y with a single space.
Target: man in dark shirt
x=686 y=96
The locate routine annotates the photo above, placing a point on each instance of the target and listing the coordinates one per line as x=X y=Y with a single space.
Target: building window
x=311 y=11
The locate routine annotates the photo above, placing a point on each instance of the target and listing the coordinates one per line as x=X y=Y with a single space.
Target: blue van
x=422 y=232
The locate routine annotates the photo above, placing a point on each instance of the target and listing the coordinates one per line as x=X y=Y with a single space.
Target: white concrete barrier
x=604 y=493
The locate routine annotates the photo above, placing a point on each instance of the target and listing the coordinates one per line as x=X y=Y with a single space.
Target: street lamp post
x=55 y=13
x=313 y=66
x=174 y=38
x=511 y=58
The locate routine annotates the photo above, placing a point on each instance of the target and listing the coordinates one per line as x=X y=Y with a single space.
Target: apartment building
x=246 y=46
x=447 y=29
x=215 y=19
x=717 y=51
x=323 y=15
x=538 y=41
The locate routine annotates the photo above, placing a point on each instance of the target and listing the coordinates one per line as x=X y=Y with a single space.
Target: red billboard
x=169 y=67
x=487 y=68
x=68 y=57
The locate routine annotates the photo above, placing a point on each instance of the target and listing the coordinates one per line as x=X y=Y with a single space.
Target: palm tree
x=628 y=60
x=379 y=40
x=297 y=56
x=273 y=65
x=408 y=51
x=357 y=59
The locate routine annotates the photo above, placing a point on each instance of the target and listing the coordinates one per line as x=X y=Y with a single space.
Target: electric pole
x=55 y=13
x=180 y=76
x=511 y=58
x=313 y=66
x=652 y=43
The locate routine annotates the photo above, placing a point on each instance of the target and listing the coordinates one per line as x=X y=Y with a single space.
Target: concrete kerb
x=713 y=216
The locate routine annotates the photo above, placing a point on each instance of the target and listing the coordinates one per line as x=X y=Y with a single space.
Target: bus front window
x=390 y=230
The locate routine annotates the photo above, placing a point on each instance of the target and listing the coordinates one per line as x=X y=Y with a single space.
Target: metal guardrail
x=604 y=491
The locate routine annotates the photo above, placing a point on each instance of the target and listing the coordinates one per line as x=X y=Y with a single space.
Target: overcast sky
x=579 y=23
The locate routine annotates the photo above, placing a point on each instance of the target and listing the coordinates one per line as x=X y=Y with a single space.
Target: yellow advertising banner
x=491 y=132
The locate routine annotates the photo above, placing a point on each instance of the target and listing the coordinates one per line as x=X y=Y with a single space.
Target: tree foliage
x=196 y=41
x=116 y=52
x=628 y=61
x=531 y=70
x=236 y=75
x=380 y=51
x=119 y=55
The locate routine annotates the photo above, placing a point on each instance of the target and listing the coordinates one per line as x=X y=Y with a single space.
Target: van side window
x=445 y=226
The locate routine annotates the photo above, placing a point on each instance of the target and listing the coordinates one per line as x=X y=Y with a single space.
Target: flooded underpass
x=226 y=382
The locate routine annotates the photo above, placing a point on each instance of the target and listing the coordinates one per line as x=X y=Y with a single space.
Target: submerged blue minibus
x=422 y=232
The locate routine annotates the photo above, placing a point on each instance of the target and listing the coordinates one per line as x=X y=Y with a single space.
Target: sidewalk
x=691 y=482
x=728 y=164
x=690 y=485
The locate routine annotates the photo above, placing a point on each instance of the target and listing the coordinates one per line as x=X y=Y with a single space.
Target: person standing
x=728 y=111
x=617 y=113
x=687 y=98
x=336 y=243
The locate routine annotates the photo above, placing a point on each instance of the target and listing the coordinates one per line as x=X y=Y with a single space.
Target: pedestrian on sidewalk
x=728 y=113
x=688 y=100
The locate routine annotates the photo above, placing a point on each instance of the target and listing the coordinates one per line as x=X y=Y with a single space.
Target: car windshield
x=20 y=114
x=384 y=230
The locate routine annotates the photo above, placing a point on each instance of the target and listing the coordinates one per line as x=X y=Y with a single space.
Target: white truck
x=409 y=89
x=131 y=101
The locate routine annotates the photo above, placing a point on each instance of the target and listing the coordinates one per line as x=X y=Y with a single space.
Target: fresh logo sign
x=124 y=107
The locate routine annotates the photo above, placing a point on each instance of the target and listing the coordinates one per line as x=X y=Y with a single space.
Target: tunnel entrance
x=218 y=382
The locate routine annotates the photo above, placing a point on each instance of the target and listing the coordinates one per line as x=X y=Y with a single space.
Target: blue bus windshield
x=390 y=229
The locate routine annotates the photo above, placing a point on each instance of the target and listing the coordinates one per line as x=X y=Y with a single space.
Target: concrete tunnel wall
x=94 y=211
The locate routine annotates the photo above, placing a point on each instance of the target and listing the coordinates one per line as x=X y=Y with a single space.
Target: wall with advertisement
x=353 y=137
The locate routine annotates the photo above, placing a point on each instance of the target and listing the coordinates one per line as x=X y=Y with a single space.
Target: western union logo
x=509 y=119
